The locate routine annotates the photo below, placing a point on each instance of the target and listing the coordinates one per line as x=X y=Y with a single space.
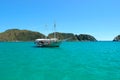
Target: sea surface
x=70 y=61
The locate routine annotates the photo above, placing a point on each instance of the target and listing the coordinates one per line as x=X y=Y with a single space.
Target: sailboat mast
x=46 y=31
x=54 y=30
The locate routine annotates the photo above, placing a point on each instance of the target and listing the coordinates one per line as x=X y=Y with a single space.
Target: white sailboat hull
x=47 y=42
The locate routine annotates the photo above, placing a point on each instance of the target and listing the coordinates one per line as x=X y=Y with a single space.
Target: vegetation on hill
x=85 y=37
x=72 y=37
x=26 y=35
x=19 y=35
x=63 y=36
x=117 y=38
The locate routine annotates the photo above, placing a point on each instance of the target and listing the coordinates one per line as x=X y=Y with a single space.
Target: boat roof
x=46 y=39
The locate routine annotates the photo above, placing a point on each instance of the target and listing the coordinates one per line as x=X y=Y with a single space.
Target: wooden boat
x=53 y=42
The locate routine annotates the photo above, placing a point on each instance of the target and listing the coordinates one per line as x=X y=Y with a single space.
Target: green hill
x=26 y=35
x=63 y=36
x=117 y=38
x=19 y=35
x=85 y=37
x=72 y=37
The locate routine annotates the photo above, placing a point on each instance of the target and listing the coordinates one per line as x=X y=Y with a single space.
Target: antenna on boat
x=46 y=31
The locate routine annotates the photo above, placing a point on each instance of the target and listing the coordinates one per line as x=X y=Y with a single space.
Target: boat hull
x=47 y=43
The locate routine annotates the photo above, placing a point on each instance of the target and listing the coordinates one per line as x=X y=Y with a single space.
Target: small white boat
x=54 y=42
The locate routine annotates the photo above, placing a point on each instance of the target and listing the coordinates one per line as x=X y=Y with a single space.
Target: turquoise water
x=70 y=61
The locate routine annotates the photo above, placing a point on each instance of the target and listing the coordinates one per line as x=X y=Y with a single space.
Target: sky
x=99 y=18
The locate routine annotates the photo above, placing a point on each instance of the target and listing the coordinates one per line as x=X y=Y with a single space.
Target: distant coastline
x=17 y=35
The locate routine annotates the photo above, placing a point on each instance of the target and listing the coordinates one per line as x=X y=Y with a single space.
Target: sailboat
x=45 y=42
